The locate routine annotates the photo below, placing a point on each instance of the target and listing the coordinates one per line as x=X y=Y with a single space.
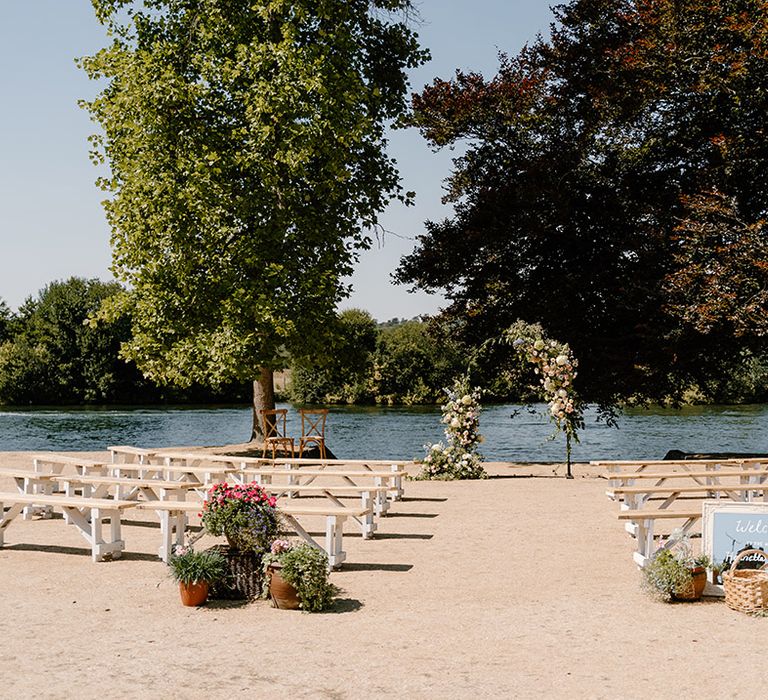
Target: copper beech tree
x=613 y=187
x=245 y=143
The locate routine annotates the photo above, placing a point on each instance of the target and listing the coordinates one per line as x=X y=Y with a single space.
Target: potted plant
x=297 y=577
x=195 y=571
x=246 y=514
x=675 y=573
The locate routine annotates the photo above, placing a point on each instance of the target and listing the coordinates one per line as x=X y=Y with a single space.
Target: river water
x=511 y=432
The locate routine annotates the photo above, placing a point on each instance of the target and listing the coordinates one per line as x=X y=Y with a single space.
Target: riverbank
x=519 y=586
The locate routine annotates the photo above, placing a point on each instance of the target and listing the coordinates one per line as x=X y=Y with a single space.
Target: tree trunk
x=263 y=400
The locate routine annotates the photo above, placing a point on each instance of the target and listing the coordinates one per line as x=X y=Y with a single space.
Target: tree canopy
x=245 y=142
x=53 y=356
x=614 y=188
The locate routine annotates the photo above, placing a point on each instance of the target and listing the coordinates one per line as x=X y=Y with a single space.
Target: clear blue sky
x=51 y=222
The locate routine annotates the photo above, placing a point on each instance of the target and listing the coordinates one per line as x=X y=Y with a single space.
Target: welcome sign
x=730 y=528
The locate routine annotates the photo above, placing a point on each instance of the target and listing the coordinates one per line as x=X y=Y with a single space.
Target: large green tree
x=6 y=316
x=245 y=143
x=54 y=356
x=614 y=188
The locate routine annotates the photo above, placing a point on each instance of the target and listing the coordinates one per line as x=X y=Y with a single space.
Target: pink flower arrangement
x=245 y=513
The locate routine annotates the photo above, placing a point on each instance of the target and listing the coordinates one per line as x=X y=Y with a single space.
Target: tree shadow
x=343 y=605
x=376 y=567
x=79 y=551
x=414 y=499
x=226 y=603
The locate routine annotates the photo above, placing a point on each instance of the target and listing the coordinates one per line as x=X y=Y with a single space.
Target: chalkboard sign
x=730 y=528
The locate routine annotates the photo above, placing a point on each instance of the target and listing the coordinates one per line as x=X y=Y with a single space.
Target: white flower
x=561 y=360
x=562 y=393
x=466 y=399
x=455 y=423
x=539 y=344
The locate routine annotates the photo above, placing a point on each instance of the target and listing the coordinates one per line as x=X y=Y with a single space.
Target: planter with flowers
x=248 y=517
x=675 y=573
x=195 y=572
x=246 y=514
x=297 y=577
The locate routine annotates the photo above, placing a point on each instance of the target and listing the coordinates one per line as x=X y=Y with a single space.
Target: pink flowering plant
x=556 y=368
x=458 y=459
x=246 y=514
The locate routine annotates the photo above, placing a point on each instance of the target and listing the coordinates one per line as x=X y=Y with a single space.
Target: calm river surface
x=511 y=432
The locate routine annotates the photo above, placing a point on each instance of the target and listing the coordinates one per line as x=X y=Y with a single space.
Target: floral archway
x=556 y=368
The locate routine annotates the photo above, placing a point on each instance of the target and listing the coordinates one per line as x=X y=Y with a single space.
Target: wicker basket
x=245 y=576
x=746 y=590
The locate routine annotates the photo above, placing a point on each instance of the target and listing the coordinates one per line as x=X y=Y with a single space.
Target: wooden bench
x=126 y=454
x=198 y=476
x=373 y=500
x=618 y=470
x=28 y=481
x=643 y=522
x=702 y=478
x=352 y=477
x=126 y=489
x=56 y=462
x=87 y=514
x=351 y=467
x=635 y=497
x=396 y=467
x=173 y=524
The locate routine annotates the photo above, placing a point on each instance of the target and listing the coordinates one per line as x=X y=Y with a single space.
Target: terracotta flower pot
x=193 y=594
x=696 y=589
x=282 y=593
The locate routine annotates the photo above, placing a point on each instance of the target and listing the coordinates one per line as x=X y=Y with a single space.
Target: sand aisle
x=507 y=588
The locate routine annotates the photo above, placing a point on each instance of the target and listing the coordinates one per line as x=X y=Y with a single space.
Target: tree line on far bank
x=51 y=353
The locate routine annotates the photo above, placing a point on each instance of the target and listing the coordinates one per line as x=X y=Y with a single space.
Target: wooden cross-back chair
x=313 y=430
x=274 y=426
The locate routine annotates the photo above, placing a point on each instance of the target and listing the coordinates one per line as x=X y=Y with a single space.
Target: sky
x=52 y=225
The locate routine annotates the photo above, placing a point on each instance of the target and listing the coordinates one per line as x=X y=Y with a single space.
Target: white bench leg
x=165 y=550
x=333 y=538
x=397 y=483
x=368 y=524
x=6 y=518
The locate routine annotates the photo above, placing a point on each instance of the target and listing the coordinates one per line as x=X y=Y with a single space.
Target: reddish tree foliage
x=584 y=155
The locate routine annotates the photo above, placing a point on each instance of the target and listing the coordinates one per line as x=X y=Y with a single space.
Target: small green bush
x=188 y=566
x=306 y=569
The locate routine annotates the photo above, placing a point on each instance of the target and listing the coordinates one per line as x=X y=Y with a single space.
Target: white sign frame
x=709 y=511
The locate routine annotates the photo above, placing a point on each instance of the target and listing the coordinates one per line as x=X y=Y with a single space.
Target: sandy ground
x=520 y=586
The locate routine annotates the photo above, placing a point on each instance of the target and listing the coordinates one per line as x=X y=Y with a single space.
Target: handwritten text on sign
x=730 y=528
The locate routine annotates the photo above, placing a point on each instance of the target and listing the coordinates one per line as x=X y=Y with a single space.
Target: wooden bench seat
x=384 y=483
x=87 y=514
x=173 y=523
x=618 y=471
x=657 y=514
x=636 y=497
x=128 y=454
x=12 y=473
x=200 y=476
x=363 y=465
x=126 y=488
x=57 y=462
x=708 y=474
